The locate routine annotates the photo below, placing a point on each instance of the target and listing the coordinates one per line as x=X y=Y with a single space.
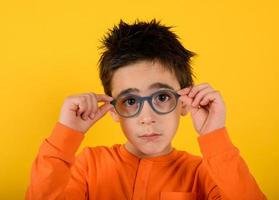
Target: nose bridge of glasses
x=148 y=99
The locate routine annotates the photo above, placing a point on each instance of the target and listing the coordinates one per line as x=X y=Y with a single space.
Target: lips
x=150 y=135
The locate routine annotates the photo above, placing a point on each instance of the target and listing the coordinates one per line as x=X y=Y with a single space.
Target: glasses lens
x=127 y=105
x=164 y=101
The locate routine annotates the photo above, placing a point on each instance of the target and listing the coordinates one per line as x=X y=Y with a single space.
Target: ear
x=184 y=109
x=114 y=115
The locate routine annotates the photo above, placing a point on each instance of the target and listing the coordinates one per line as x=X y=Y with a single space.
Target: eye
x=163 y=97
x=129 y=101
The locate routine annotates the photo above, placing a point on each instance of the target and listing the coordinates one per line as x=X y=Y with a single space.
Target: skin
x=207 y=111
x=147 y=121
x=205 y=105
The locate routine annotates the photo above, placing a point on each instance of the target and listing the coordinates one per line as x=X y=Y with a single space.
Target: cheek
x=128 y=127
x=171 y=122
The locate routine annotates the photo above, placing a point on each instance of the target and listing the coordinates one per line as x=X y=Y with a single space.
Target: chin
x=150 y=150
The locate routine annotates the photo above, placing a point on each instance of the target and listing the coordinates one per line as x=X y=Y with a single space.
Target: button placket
x=142 y=179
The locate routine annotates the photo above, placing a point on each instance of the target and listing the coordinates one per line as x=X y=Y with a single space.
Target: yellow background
x=48 y=50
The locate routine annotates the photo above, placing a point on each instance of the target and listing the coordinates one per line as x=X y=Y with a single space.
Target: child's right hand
x=81 y=111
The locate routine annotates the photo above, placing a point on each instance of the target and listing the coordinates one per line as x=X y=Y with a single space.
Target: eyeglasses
x=162 y=102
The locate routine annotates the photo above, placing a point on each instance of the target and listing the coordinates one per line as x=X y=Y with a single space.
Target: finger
x=197 y=88
x=94 y=104
x=209 y=97
x=74 y=102
x=74 y=107
x=90 y=105
x=103 y=109
x=82 y=104
x=88 y=108
x=200 y=95
x=185 y=100
x=184 y=90
x=103 y=97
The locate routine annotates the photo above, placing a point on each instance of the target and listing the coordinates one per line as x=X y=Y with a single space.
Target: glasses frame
x=149 y=100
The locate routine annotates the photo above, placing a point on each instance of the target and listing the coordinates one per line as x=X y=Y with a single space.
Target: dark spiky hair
x=129 y=43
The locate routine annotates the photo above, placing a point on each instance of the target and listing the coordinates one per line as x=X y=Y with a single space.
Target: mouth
x=150 y=136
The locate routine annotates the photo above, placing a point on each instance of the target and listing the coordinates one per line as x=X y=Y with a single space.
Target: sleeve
x=226 y=168
x=53 y=175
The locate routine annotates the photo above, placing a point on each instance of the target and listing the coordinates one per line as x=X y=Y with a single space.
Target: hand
x=206 y=106
x=80 y=112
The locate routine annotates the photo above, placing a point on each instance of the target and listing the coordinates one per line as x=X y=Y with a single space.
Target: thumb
x=102 y=110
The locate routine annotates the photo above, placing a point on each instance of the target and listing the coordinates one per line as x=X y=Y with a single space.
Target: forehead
x=143 y=78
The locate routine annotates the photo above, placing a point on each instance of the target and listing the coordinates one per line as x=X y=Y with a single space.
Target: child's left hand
x=206 y=106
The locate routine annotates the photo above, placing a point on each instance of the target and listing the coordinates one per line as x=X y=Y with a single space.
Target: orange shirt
x=108 y=173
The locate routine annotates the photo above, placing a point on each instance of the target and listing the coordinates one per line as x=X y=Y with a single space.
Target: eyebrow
x=157 y=85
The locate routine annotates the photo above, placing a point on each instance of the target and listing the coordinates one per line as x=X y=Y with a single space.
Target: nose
x=147 y=115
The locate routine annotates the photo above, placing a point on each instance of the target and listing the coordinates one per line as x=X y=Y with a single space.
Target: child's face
x=142 y=75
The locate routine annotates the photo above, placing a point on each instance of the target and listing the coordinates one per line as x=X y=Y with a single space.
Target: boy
x=147 y=79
